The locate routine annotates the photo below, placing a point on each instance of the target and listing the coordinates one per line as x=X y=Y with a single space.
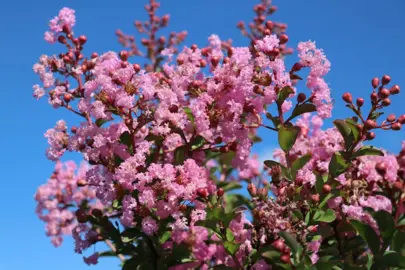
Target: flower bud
x=82 y=39
x=386 y=102
x=396 y=126
x=381 y=168
x=279 y=245
x=215 y=61
x=326 y=189
x=67 y=97
x=220 y=192
x=283 y=38
x=374 y=97
x=398 y=185
x=360 y=102
x=285 y=258
x=234 y=146
x=62 y=39
x=66 y=29
x=315 y=198
x=347 y=97
x=385 y=79
x=94 y=55
x=202 y=192
x=124 y=55
x=370 y=136
x=370 y=124
x=384 y=93
x=391 y=118
x=395 y=89
x=173 y=108
x=301 y=97
x=375 y=82
x=73 y=130
x=401 y=119
x=136 y=67
x=194 y=47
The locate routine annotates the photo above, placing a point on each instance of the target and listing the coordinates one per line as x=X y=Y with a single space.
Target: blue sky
x=362 y=38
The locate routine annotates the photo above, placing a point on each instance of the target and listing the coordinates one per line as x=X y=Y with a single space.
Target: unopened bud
x=386 y=102
x=252 y=190
x=391 y=118
x=301 y=97
x=395 y=90
x=381 y=168
x=385 y=79
x=375 y=82
x=396 y=126
x=360 y=102
x=82 y=39
x=347 y=97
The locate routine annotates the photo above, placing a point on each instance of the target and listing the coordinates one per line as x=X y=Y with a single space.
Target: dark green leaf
x=353 y=127
x=367 y=151
x=345 y=131
x=197 y=142
x=368 y=234
x=319 y=183
x=398 y=241
x=180 y=155
x=302 y=108
x=390 y=259
x=337 y=165
x=100 y=122
x=283 y=94
x=222 y=267
x=126 y=138
x=287 y=137
x=291 y=243
x=271 y=255
x=231 y=248
x=386 y=224
x=375 y=115
x=325 y=200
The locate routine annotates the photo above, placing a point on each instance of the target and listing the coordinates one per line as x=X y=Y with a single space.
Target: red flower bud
x=136 y=67
x=395 y=89
x=386 y=102
x=401 y=119
x=315 y=198
x=94 y=55
x=398 y=185
x=381 y=168
x=220 y=192
x=396 y=126
x=370 y=136
x=62 y=39
x=360 y=102
x=385 y=79
x=375 y=82
x=384 y=93
x=283 y=38
x=67 y=97
x=279 y=245
x=370 y=124
x=124 y=55
x=391 y=118
x=73 y=130
x=374 y=97
x=301 y=97
x=252 y=189
x=347 y=97
x=326 y=189
x=215 y=61
x=173 y=108
x=82 y=39
x=202 y=192
x=285 y=258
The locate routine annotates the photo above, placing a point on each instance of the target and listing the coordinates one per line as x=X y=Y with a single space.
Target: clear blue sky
x=362 y=38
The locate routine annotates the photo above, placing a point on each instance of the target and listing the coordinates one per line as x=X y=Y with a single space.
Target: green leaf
x=299 y=163
x=327 y=216
x=287 y=137
x=180 y=155
x=375 y=115
x=390 y=259
x=283 y=94
x=271 y=163
x=367 y=151
x=292 y=243
x=229 y=235
x=302 y=108
x=231 y=248
x=325 y=200
x=353 y=127
x=222 y=267
x=189 y=114
x=398 y=241
x=338 y=165
x=126 y=138
x=319 y=183
x=271 y=255
x=100 y=122
x=345 y=131
x=197 y=142
x=368 y=234
x=228 y=186
x=386 y=224
x=165 y=236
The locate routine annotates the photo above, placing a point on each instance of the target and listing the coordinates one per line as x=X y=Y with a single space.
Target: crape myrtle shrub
x=167 y=144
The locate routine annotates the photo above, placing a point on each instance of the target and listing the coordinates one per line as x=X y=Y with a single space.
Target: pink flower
x=149 y=226
x=92 y=259
x=267 y=44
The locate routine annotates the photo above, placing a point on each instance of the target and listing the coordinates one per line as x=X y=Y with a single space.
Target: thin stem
x=112 y=247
